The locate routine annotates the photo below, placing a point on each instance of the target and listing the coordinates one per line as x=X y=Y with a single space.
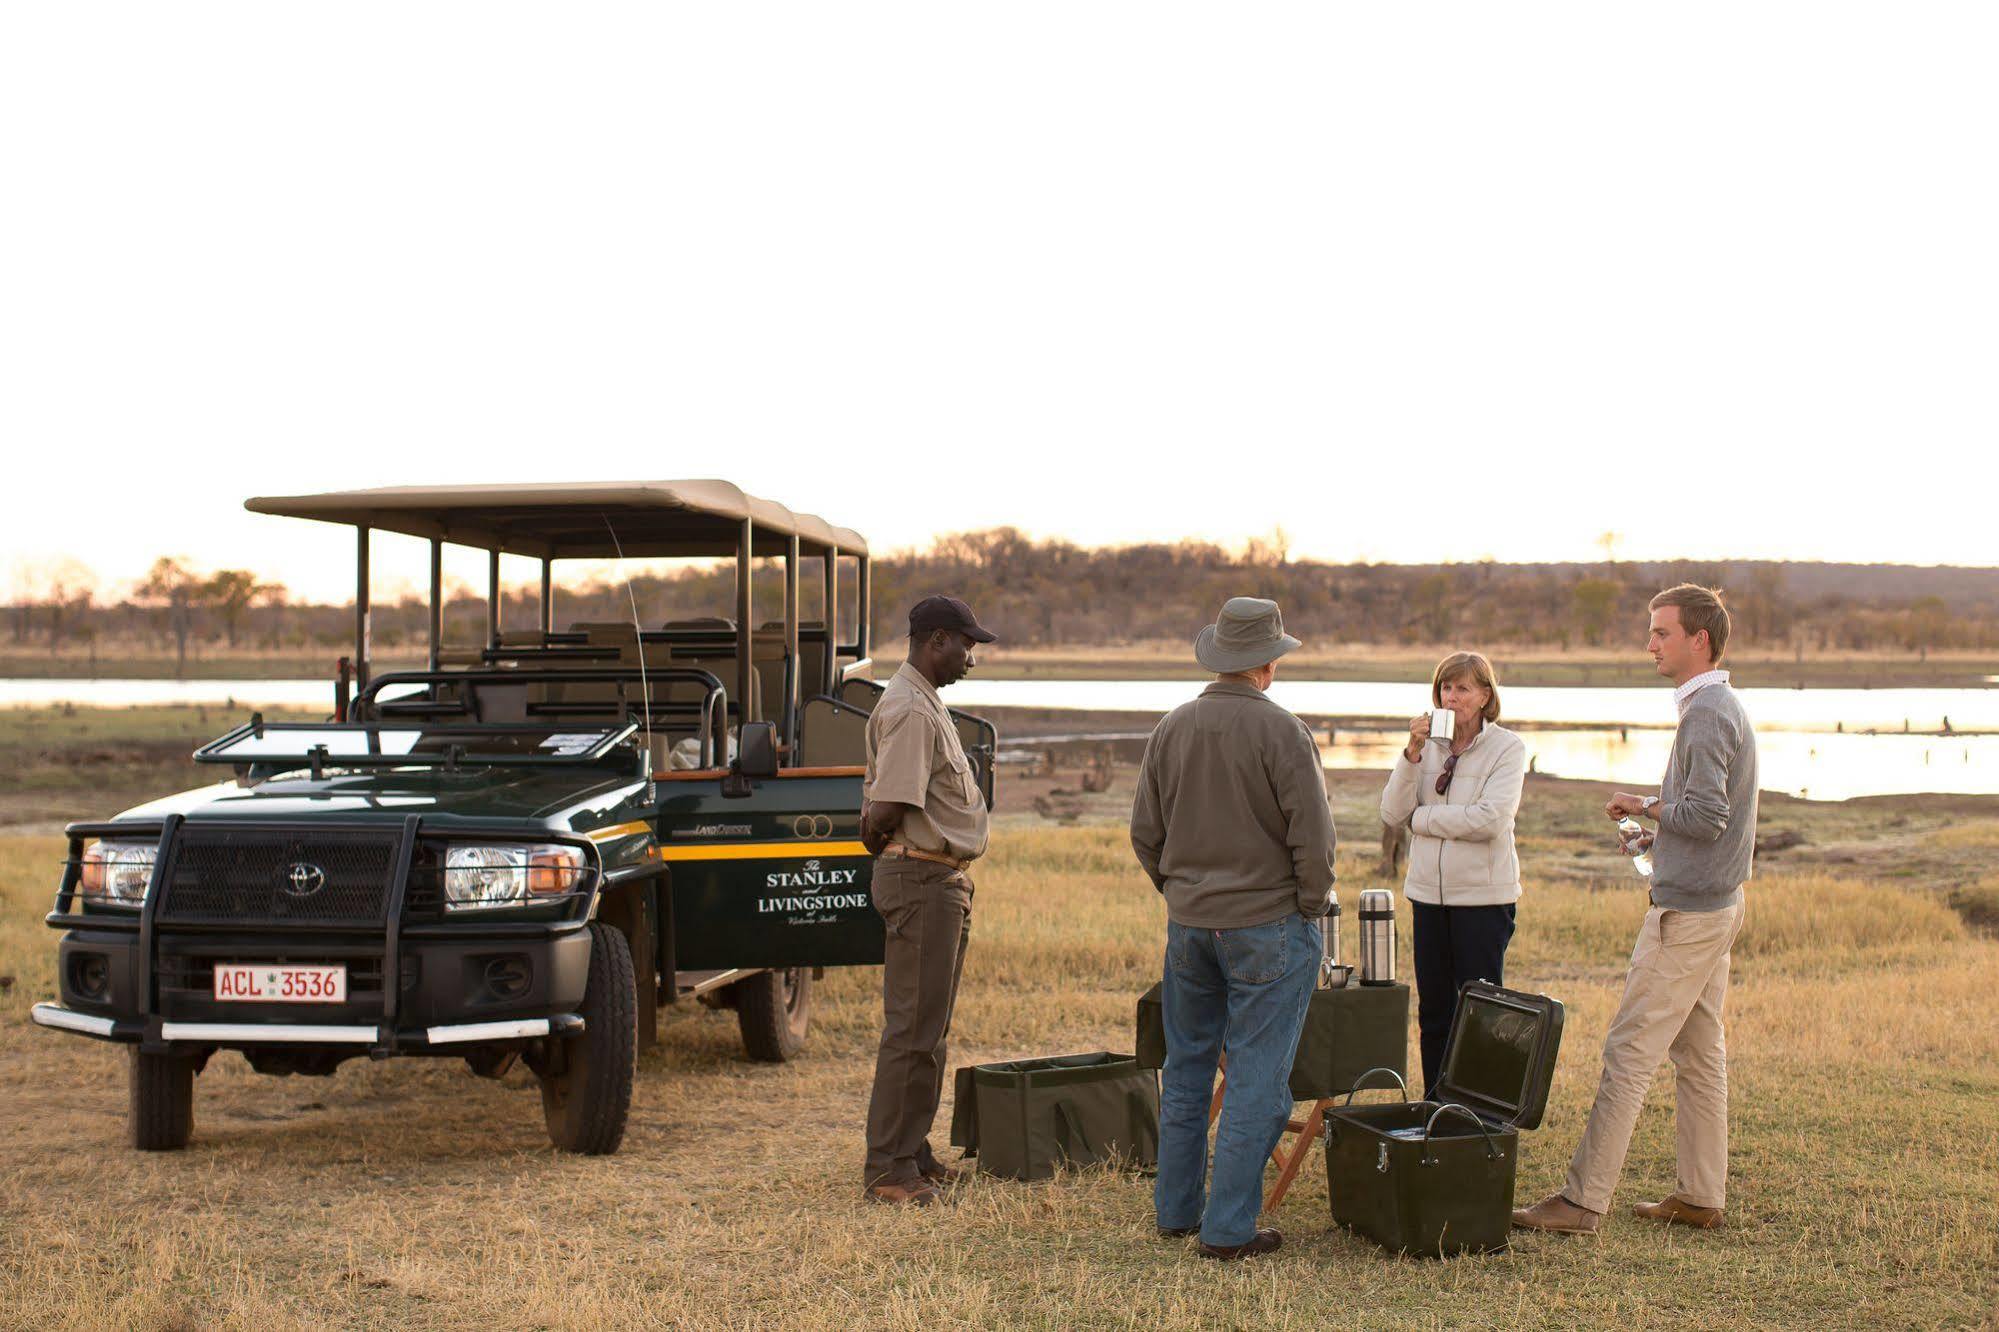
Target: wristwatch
x=1649 y=801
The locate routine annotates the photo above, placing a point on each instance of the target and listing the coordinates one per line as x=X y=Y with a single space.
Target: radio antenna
x=639 y=647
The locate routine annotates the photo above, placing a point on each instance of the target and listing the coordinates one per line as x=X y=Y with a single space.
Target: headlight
x=477 y=878
x=117 y=873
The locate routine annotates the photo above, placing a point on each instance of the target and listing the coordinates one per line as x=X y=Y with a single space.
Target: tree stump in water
x=1394 y=849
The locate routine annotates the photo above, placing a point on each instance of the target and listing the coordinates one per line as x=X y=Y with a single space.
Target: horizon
x=28 y=578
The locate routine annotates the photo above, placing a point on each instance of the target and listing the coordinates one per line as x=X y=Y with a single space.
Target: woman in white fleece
x=1458 y=799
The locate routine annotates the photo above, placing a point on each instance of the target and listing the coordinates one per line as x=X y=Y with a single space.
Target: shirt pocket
x=1256 y=954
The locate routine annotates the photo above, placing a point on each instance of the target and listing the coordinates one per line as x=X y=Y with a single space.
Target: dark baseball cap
x=948 y=613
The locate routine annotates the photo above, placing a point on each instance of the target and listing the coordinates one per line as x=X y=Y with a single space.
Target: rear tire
x=586 y=1087
x=773 y=1008
x=162 y=1087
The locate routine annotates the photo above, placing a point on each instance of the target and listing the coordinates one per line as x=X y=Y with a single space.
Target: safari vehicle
x=519 y=852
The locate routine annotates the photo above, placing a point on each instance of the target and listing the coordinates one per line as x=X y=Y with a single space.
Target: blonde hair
x=1700 y=608
x=1459 y=665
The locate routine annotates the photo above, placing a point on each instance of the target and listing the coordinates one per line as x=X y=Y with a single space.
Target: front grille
x=224 y=875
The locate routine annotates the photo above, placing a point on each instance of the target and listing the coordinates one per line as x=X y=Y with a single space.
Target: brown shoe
x=943 y=1176
x=1264 y=1242
x=903 y=1195
x=1178 y=1232
x=1558 y=1214
x=1677 y=1211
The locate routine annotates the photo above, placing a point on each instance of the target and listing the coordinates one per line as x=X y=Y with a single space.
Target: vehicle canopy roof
x=576 y=519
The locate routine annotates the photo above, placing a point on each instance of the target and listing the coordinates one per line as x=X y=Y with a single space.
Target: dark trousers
x=1453 y=944
x=926 y=910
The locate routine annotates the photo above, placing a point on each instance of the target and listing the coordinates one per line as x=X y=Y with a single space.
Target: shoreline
x=1537 y=665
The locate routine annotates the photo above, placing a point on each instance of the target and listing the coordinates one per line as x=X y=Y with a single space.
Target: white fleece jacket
x=1461 y=843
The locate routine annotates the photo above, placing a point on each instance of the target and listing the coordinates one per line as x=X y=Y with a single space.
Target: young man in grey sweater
x=1673 y=992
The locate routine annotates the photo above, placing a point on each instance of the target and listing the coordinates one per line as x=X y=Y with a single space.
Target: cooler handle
x=1492 y=1153
x=1357 y=1088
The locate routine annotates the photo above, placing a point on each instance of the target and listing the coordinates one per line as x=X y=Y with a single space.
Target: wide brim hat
x=1247 y=634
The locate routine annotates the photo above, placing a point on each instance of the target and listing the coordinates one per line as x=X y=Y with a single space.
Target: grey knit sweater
x=1707 y=806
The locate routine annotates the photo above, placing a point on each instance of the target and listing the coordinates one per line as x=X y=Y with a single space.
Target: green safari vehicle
x=518 y=853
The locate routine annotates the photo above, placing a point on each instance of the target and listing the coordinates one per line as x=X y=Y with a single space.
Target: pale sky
x=1414 y=283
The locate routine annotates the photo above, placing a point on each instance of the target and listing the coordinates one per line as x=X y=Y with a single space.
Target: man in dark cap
x=923 y=818
x=1231 y=824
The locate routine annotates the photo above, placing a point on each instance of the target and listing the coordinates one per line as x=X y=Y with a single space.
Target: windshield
x=412 y=743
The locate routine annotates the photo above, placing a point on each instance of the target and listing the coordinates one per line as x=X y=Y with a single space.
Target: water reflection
x=1812 y=742
x=1815 y=766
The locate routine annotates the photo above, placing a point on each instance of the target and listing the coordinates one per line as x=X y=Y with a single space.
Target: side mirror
x=756 y=749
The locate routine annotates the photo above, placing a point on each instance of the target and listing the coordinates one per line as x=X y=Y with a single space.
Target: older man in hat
x=1232 y=825
x=924 y=820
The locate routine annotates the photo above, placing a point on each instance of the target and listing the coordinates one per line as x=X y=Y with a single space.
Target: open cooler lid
x=1500 y=1057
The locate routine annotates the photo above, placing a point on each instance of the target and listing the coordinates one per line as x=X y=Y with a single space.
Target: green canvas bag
x=1347 y=1032
x=1024 y=1117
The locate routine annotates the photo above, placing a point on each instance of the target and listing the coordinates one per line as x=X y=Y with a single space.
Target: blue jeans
x=1244 y=993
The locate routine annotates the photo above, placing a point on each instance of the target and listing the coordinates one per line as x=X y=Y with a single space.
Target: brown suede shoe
x=1178 y=1232
x=1677 y=1211
x=902 y=1195
x=1558 y=1214
x=943 y=1176
x=1264 y=1242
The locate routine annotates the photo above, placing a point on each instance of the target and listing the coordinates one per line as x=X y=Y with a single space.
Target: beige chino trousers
x=1673 y=995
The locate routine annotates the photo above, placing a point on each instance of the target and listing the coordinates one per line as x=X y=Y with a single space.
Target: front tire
x=162 y=1087
x=586 y=1082
x=773 y=1008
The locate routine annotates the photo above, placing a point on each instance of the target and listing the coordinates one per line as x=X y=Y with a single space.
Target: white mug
x=1443 y=725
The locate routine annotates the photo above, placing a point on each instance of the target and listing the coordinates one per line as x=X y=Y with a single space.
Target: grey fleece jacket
x=1707 y=806
x=1230 y=821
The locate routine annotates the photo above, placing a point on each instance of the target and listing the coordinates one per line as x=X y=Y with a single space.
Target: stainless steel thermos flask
x=1377 y=937
x=1330 y=976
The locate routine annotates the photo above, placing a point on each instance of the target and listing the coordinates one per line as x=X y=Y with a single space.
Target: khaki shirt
x=914 y=758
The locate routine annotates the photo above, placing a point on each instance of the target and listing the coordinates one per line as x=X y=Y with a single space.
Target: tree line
x=1041 y=592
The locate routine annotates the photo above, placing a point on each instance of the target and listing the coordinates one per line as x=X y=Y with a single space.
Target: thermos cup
x=1443 y=725
x=1331 y=974
x=1377 y=937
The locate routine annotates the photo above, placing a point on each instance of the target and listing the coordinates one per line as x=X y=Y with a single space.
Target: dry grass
x=1865 y=1049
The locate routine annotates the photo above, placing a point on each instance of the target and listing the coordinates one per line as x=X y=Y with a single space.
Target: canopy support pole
x=863 y=609
x=361 y=616
x=744 y=612
x=791 y=682
x=493 y=597
x=436 y=599
x=832 y=668
x=547 y=598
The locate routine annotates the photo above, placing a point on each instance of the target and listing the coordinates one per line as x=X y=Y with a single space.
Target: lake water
x=1617 y=735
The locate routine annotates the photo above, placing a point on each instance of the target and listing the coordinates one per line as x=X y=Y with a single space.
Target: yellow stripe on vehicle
x=636 y=829
x=762 y=851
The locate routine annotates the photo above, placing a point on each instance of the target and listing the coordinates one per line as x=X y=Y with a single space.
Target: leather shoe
x=1676 y=1210
x=1264 y=1242
x=1178 y=1232
x=1558 y=1214
x=903 y=1195
x=943 y=1176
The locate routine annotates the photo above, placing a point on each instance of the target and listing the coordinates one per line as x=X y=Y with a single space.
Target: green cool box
x=1436 y=1177
x=1347 y=1032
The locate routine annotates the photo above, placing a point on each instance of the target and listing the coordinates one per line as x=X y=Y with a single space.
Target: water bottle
x=1627 y=829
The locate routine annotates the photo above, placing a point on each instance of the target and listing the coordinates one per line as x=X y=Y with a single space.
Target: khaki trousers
x=1672 y=1006
x=926 y=910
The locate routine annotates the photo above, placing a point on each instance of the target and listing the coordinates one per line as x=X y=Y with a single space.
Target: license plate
x=281 y=984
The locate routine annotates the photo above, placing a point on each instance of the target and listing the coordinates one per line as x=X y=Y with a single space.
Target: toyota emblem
x=303 y=880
